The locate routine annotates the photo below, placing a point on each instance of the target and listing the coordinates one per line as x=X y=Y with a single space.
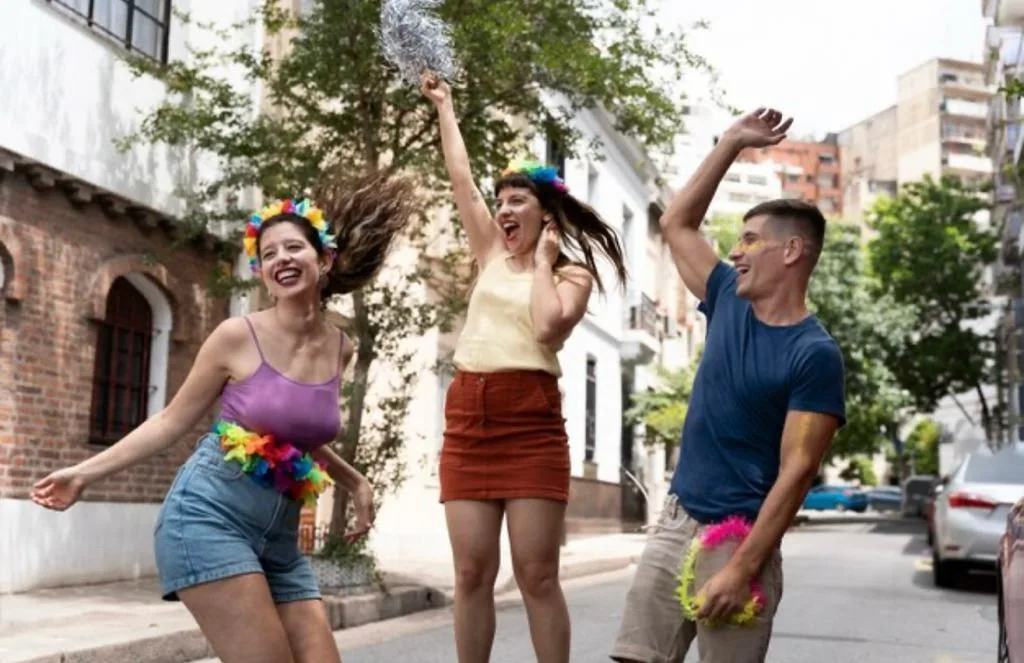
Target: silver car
x=970 y=513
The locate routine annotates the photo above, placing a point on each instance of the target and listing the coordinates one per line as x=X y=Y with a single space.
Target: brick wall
x=60 y=256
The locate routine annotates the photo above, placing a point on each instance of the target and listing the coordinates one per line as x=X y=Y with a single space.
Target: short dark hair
x=796 y=217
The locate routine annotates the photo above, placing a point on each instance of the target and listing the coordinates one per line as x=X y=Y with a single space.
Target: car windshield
x=1001 y=468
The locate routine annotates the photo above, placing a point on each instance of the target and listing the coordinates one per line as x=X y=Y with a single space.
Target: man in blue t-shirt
x=767 y=399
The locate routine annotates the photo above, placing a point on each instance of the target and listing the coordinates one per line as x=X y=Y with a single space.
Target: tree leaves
x=929 y=256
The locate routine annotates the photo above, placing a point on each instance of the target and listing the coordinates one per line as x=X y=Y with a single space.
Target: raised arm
x=197 y=394
x=680 y=224
x=473 y=213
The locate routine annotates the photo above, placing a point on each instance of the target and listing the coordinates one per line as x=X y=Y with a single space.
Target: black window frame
x=88 y=17
x=129 y=317
x=590 y=427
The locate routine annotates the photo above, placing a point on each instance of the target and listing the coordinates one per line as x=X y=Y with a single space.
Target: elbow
x=547 y=334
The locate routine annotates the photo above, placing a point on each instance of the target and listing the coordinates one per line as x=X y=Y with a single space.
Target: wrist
x=731 y=142
x=543 y=263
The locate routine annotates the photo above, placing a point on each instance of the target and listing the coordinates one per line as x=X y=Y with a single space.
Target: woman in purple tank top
x=226 y=537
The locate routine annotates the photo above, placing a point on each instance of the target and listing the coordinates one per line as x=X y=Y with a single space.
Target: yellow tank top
x=498 y=334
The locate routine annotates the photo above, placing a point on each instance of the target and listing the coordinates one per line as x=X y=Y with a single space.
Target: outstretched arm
x=197 y=394
x=680 y=224
x=476 y=218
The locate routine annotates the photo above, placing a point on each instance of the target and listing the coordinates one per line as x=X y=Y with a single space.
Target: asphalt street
x=854 y=592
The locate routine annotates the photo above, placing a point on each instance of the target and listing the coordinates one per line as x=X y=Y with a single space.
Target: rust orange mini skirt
x=504 y=438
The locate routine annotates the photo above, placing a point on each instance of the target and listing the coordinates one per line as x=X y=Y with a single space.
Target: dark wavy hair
x=366 y=213
x=581 y=227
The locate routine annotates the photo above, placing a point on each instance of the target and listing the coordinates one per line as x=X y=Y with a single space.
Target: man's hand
x=759 y=128
x=724 y=593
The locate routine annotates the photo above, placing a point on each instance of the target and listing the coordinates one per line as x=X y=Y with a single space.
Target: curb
x=191 y=645
x=342 y=612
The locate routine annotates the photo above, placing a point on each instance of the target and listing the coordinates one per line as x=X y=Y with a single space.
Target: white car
x=970 y=513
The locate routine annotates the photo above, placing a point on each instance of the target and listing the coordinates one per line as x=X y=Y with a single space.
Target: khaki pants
x=653 y=629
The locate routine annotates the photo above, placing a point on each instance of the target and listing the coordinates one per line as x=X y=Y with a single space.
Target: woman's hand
x=362 y=497
x=548 y=245
x=60 y=489
x=435 y=89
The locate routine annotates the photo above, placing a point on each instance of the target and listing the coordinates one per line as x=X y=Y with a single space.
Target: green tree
x=928 y=257
x=860 y=470
x=333 y=101
x=863 y=326
x=920 y=451
x=662 y=410
x=724 y=229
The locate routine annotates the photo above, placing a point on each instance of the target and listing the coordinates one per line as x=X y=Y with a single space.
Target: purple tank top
x=268 y=402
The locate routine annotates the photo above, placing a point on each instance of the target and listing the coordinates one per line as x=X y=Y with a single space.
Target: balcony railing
x=643 y=316
x=968 y=162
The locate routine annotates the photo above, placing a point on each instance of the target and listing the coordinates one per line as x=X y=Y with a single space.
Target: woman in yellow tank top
x=505 y=449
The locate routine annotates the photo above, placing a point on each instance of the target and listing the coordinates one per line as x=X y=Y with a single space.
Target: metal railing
x=643 y=316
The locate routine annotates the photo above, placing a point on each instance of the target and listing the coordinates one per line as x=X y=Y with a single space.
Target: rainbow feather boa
x=712 y=536
x=272 y=464
x=537 y=172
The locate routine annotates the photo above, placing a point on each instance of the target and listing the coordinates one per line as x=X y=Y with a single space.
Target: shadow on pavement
x=973 y=587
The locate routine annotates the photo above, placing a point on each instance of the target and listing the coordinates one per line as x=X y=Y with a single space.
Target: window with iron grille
x=590 y=443
x=140 y=26
x=120 y=388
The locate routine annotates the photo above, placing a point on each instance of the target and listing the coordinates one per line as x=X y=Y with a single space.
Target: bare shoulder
x=348 y=350
x=230 y=333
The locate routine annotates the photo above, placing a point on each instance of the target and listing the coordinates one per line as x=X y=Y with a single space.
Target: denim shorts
x=216 y=522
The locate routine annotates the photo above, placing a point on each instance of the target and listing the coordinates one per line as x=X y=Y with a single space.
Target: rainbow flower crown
x=537 y=172
x=303 y=208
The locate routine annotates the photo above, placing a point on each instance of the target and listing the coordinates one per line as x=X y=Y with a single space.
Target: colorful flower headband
x=303 y=208
x=735 y=528
x=537 y=172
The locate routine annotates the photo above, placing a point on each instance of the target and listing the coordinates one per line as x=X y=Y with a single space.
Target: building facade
x=102 y=313
x=870 y=162
x=807 y=171
x=1004 y=40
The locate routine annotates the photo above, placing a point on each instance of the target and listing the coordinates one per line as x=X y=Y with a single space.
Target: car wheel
x=840 y=507
x=945 y=574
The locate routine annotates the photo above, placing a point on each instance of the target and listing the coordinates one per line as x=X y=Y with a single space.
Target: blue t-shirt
x=750 y=376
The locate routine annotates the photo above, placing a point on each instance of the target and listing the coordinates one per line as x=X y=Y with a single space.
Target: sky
x=827 y=63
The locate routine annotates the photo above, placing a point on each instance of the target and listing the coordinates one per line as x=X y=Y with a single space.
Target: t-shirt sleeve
x=721 y=284
x=819 y=383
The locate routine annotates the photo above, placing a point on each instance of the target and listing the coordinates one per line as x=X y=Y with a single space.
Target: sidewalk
x=126 y=622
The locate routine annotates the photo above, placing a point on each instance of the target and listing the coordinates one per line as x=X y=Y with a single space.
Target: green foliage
x=663 y=410
x=920 y=452
x=860 y=470
x=725 y=231
x=331 y=101
x=863 y=325
x=928 y=257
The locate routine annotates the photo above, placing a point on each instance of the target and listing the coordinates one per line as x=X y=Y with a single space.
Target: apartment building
x=99 y=323
x=937 y=126
x=1004 y=41
x=870 y=162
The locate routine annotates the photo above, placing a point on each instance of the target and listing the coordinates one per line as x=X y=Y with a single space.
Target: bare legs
x=239 y=618
x=474 y=528
x=535 y=531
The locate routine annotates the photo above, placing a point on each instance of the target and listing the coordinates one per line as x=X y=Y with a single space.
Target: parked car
x=929 y=507
x=840 y=498
x=971 y=512
x=1010 y=588
x=885 y=498
x=916 y=490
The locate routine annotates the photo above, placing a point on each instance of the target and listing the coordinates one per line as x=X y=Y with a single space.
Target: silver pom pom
x=413 y=39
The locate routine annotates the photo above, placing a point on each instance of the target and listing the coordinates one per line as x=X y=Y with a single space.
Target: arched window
x=121 y=384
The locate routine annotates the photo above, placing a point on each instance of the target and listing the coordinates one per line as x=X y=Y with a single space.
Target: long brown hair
x=581 y=227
